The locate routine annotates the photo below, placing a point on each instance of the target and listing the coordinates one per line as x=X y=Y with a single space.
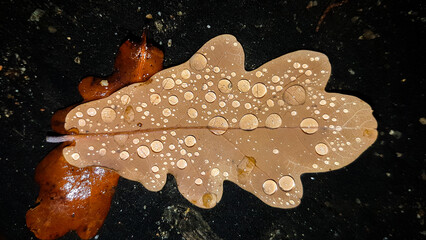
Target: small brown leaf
x=209 y=120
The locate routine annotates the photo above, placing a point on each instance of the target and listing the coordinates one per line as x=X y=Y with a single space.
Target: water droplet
x=188 y=96
x=168 y=83
x=198 y=181
x=75 y=156
x=309 y=125
x=185 y=74
x=190 y=141
x=81 y=122
x=225 y=86
x=155 y=169
x=181 y=164
x=218 y=125
x=156 y=146
x=155 y=99
x=143 y=151
x=270 y=187
x=273 y=121
x=91 y=112
x=321 y=149
x=244 y=85
x=173 y=100
x=210 y=96
x=79 y=114
x=198 y=62
x=121 y=139
x=167 y=112
x=286 y=183
x=259 y=90
x=125 y=99
x=124 y=155
x=129 y=114
x=295 y=95
x=249 y=122
x=192 y=113
x=275 y=79
x=214 y=172
x=108 y=115
x=102 y=151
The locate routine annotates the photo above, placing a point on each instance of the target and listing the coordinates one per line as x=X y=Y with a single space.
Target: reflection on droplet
x=309 y=125
x=198 y=62
x=143 y=151
x=273 y=121
x=190 y=141
x=218 y=125
x=155 y=99
x=295 y=95
x=225 y=86
x=108 y=115
x=192 y=113
x=168 y=83
x=156 y=146
x=249 y=122
x=269 y=187
x=286 y=183
x=321 y=149
x=210 y=96
x=259 y=90
x=244 y=85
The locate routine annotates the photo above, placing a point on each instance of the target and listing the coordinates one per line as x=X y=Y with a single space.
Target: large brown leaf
x=209 y=120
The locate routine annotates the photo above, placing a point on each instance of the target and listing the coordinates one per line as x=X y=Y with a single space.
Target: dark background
x=376 y=52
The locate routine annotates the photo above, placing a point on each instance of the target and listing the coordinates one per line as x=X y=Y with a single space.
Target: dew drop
x=198 y=62
x=286 y=183
x=259 y=90
x=295 y=95
x=273 y=121
x=249 y=122
x=168 y=83
x=321 y=149
x=155 y=99
x=218 y=125
x=108 y=115
x=190 y=141
x=225 y=86
x=309 y=125
x=143 y=151
x=269 y=187
x=244 y=85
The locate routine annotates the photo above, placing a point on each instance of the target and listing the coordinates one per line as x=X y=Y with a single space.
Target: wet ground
x=376 y=51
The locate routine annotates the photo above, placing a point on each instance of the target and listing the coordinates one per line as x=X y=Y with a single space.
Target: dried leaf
x=79 y=199
x=209 y=120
